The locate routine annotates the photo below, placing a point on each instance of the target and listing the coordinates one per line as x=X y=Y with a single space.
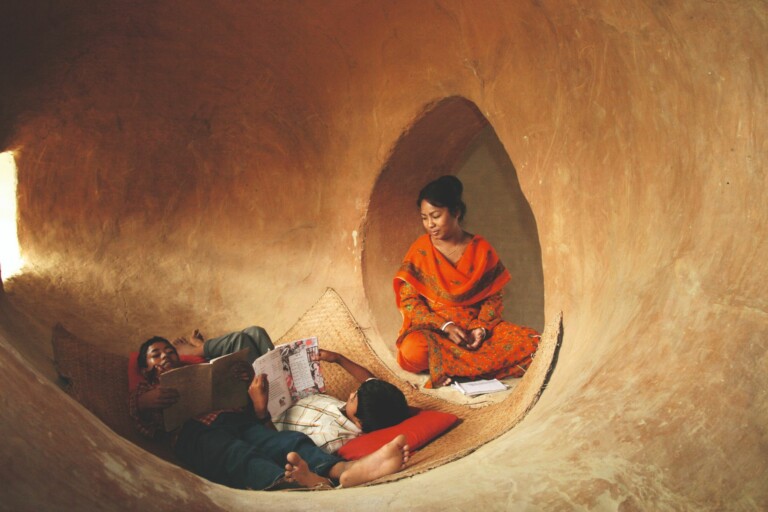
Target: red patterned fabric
x=477 y=275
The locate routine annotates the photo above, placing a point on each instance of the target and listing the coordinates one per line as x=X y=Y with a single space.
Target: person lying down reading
x=241 y=448
x=330 y=422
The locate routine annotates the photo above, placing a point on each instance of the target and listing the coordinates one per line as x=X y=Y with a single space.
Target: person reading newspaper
x=330 y=423
x=240 y=447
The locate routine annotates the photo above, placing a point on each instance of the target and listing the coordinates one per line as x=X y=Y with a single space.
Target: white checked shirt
x=319 y=417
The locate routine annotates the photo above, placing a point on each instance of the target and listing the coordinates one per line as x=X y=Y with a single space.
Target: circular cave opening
x=452 y=136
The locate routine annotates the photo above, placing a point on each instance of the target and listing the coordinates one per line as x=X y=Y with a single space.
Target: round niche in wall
x=452 y=137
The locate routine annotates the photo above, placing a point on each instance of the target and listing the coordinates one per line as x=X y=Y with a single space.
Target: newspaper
x=292 y=373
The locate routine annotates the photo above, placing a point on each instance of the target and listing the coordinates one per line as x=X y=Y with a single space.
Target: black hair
x=444 y=192
x=142 y=361
x=380 y=405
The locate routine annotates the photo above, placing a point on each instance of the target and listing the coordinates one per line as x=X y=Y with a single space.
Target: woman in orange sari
x=449 y=291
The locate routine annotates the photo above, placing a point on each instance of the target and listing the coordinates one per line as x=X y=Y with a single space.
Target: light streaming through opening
x=10 y=253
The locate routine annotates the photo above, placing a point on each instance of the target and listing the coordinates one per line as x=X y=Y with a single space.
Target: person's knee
x=256 y=331
x=412 y=355
x=255 y=339
x=410 y=365
x=260 y=337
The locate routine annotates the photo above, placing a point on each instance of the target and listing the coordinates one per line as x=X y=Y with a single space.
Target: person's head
x=377 y=404
x=157 y=355
x=444 y=192
x=441 y=206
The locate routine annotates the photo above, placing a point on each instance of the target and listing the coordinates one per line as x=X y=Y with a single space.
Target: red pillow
x=419 y=430
x=135 y=376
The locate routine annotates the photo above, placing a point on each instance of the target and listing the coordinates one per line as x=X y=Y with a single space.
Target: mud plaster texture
x=194 y=164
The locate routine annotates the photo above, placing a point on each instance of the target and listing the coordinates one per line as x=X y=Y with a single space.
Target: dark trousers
x=239 y=452
x=254 y=338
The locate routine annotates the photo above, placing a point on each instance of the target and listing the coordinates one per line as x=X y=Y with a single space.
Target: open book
x=480 y=387
x=205 y=387
x=291 y=372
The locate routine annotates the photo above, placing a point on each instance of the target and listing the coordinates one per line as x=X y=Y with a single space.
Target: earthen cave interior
x=217 y=164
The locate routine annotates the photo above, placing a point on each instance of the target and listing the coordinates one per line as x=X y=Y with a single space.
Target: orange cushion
x=135 y=376
x=419 y=430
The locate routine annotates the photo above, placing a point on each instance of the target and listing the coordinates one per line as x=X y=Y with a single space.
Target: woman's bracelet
x=446 y=324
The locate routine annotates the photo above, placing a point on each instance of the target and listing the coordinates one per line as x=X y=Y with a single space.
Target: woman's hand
x=477 y=336
x=259 y=393
x=157 y=398
x=456 y=334
x=327 y=356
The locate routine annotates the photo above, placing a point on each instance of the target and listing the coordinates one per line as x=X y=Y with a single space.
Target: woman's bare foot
x=388 y=459
x=297 y=471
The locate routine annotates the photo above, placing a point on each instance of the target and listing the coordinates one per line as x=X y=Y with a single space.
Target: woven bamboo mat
x=331 y=321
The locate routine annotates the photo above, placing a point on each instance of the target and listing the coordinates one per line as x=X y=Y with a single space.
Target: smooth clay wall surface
x=204 y=164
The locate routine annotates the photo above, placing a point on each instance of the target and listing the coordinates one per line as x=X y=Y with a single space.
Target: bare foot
x=297 y=471
x=197 y=337
x=388 y=459
x=186 y=348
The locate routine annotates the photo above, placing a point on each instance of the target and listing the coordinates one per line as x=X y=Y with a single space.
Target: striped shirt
x=319 y=417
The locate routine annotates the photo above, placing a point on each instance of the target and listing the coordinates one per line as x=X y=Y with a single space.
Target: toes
x=290 y=469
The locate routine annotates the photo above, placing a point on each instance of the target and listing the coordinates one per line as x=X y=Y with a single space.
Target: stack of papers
x=480 y=387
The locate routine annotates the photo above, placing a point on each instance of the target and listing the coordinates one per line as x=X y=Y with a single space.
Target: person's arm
x=259 y=393
x=156 y=397
x=488 y=318
x=146 y=404
x=420 y=314
x=490 y=313
x=413 y=306
x=360 y=373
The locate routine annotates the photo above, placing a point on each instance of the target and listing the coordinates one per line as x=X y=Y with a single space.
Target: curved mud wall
x=190 y=164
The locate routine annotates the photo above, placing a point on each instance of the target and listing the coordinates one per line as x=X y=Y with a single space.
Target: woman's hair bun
x=453 y=183
x=446 y=192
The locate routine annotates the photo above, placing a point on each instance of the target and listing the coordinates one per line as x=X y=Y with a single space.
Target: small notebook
x=480 y=387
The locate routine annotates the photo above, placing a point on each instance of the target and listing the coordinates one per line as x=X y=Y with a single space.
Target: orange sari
x=430 y=291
